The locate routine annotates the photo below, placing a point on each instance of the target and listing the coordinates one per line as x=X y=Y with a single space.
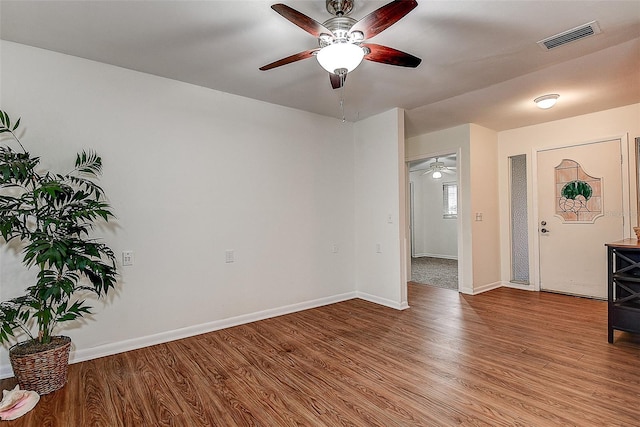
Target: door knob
x=543 y=223
x=544 y=230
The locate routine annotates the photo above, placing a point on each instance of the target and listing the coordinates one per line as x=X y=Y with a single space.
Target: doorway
x=433 y=221
x=580 y=208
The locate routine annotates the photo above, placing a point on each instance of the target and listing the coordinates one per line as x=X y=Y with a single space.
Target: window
x=519 y=220
x=449 y=200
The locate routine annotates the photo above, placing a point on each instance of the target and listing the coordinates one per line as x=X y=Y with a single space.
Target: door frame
x=409 y=212
x=626 y=196
x=412 y=236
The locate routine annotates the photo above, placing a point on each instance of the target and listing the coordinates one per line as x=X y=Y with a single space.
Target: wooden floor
x=502 y=358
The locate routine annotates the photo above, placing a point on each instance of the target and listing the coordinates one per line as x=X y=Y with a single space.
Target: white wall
x=484 y=246
x=190 y=173
x=452 y=140
x=478 y=241
x=379 y=209
x=614 y=123
x=484 y=208
x=434 y=235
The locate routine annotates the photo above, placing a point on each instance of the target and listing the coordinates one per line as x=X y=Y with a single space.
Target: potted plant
x=51 y=216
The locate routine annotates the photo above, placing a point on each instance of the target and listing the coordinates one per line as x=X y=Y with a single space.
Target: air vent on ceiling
x=590 y=29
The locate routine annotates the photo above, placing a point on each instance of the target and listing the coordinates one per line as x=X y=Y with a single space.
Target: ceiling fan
x=342 y=40
x=437 y=168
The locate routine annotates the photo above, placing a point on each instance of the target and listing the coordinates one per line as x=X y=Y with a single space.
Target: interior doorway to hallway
x=433 y=222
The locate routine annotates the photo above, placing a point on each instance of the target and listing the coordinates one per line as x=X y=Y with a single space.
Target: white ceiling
x=480 y=60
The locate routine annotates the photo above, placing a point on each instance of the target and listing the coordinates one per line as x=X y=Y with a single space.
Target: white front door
x=580 y=208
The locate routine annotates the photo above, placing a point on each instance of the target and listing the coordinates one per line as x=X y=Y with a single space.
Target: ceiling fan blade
x=384 y=17
x=289 y=59
x=336 y=80
x=310 y=25
x=391 y=56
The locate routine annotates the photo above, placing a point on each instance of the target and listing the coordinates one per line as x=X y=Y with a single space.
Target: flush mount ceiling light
x=337 y=57
x=546 y=101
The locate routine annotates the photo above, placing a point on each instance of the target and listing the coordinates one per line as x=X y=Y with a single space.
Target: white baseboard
x=496 y=285
x=382 y=301
x=520 y=286
x=435 y=256
x=149 y=340
x=487 y=287
x=5 y=371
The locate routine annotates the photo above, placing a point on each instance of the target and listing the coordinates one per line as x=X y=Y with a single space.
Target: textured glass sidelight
x=519 y=220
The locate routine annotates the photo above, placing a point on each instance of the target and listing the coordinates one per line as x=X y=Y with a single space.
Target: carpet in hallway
x=439 y=272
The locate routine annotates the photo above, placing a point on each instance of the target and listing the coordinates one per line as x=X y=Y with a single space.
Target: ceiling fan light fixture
x=340 y=55
x=436 y=175
x=546 y=101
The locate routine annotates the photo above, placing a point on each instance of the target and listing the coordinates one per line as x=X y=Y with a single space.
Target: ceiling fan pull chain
x=342 y=96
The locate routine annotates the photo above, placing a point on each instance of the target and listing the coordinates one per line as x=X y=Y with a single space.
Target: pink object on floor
x=15 y=403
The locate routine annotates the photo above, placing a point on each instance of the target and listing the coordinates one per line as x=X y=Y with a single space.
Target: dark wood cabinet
x=624 y=286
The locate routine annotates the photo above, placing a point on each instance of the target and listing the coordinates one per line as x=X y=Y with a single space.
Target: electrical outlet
x=378 y=248
x=229 y=256
x=127 y=258
x=335 y=249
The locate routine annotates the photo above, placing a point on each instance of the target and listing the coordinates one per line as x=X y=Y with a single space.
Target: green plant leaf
x=53 y=215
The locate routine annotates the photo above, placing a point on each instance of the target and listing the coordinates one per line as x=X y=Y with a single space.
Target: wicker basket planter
x=42 y=371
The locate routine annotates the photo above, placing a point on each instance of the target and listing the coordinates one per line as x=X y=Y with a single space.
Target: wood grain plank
x=502 y=358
